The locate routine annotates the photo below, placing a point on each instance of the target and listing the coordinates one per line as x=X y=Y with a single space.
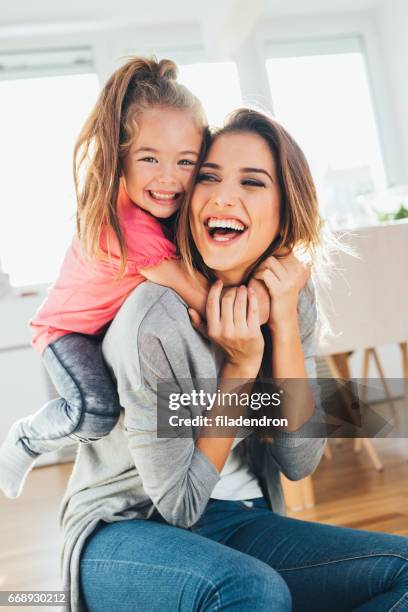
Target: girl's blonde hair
x=106 y=137
x=300 y=223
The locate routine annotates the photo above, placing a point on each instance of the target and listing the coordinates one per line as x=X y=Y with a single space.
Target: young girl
x=139 y=147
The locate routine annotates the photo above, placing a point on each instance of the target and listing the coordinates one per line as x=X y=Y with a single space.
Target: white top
x=236 y=481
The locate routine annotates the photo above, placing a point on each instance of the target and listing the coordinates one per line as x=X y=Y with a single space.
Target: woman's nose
x=224 y=195
x=223 y=200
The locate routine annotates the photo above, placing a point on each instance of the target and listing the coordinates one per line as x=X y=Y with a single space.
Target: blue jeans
x=241 y=556
x=88 y=408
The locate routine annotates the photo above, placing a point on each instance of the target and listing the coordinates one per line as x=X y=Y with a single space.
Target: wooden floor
x=348 y=490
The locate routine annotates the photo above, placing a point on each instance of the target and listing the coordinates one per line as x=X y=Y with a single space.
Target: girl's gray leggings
x=88 y=408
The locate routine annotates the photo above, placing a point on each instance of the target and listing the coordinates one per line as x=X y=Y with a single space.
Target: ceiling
x=23 y=12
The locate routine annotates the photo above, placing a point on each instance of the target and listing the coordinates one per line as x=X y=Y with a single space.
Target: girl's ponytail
x=106 y=137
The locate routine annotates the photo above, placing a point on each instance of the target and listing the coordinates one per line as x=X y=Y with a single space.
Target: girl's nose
x=166 y=175
x=166 y=178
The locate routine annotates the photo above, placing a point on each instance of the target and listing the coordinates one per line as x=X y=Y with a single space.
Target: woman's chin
x=229 y=267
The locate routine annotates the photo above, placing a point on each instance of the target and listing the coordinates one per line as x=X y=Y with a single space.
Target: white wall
x=392 y=24
x=384 y=30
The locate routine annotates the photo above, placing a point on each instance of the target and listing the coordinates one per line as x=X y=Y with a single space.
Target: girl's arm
x=193 y=290
x=173 y=273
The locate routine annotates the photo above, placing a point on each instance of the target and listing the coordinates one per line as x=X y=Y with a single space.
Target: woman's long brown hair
x=106 y=137
x=300 y=223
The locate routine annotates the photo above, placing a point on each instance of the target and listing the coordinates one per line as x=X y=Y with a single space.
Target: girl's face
x=159 y=164
x=234 y=213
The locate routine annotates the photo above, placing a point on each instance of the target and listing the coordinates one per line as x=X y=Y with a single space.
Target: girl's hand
x=284 y=278
x=233 y=324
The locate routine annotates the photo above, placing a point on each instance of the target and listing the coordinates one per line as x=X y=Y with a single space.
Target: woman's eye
x=203 y=176
x=150 y=160
x=252 y=183
x=186 y=162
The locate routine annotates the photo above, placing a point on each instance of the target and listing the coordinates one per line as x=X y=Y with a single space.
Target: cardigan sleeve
x=297 y=454
x=176 y=476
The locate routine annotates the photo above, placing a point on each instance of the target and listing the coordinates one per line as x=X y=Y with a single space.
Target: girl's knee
x=88 y=425
x=94 y=427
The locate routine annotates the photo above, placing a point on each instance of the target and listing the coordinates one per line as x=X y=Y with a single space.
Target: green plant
x=401 y=213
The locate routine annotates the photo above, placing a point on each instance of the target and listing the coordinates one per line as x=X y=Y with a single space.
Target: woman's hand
x=284 y=278
x=233 y=324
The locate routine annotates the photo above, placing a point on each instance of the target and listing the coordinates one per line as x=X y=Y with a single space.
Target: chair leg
x=328 y=452
x=340 y=369
x=404 y=350
x=372 y=453
x=308 y=492
x=293 y=494
x=358 y=442
x=384 y=383
x=298 y=494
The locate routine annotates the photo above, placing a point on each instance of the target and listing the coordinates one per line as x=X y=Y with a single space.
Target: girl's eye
x=150 y=160
x=186 y=162
x=204 y=176
x=252 y=182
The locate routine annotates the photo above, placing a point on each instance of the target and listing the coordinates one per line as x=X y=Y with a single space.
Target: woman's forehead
x=242 y=148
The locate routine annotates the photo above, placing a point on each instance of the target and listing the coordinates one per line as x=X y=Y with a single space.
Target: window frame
x=306 y=28
x=38 y=62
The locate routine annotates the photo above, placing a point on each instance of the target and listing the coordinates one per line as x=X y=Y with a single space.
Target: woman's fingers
x=240 y=308
x=277 y=267
x=213 y=311
x=253 y=311
x=227 y=310
x=272 y=282
x=289 y=270
x=197 y=322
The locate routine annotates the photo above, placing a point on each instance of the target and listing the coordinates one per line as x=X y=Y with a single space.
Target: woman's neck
x=231 y=278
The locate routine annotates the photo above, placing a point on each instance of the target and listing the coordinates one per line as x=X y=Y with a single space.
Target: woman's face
x=234 y=212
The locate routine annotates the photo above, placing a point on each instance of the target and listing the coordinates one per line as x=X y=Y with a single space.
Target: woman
x=209 y=533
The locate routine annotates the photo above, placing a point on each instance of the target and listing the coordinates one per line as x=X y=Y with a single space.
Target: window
x=320 y=92
x=45 y=98
x=216 y=85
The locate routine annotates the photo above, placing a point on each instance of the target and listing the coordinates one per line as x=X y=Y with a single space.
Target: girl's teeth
x=163 y=196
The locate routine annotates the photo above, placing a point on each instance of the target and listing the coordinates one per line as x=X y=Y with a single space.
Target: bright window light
x=39 y=123
x=324 y=101
x=216 y=84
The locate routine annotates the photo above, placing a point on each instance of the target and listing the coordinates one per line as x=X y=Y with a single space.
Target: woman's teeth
x=165 y=197
x=224 y=230
x=223 y=223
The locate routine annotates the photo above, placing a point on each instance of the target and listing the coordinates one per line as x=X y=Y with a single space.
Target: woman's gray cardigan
x=131 y=471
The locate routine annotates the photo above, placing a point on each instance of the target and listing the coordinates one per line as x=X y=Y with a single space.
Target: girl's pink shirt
x=86 y=295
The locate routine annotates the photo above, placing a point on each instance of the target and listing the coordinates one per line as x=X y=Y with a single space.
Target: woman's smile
x=223 y=229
